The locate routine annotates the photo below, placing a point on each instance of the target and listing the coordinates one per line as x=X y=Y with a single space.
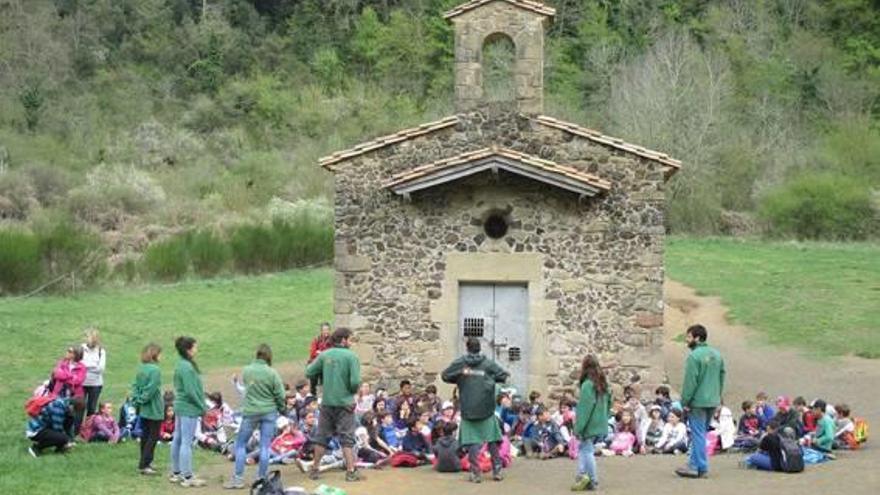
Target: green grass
x=229 y=317
x=820 y=297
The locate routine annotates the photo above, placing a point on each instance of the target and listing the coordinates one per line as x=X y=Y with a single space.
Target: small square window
x=514 y=354
x=474 y=327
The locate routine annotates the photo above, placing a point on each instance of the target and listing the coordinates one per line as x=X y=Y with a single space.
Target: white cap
x=447 y=405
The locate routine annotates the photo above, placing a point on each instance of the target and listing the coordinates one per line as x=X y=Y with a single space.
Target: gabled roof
x=672 y=165
x=536 y=7
x=473 y=162
x=341 y=156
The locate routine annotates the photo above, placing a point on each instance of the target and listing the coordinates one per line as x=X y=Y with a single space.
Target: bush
x=281 y=246
x=252 y=248
x=167 y=260
x=821 y=206
x=208 y=253
x=66 y=247
x=20 y=267
x=112 y=193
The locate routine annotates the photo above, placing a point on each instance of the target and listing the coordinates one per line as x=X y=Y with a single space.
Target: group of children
x=411 y=429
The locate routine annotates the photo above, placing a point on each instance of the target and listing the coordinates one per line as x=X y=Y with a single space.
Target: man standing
x=340 y=372
x=700 y=395
x=476 y=376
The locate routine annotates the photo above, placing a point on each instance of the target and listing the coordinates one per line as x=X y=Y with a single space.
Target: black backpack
x=272 y=485
x=792 y=456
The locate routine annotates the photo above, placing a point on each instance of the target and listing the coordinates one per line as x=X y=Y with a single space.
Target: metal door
x=498 y=316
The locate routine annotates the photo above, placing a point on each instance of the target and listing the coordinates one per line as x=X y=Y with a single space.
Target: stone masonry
x=593 y=265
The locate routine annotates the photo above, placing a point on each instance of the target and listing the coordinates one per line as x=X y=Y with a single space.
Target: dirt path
x=751 y=367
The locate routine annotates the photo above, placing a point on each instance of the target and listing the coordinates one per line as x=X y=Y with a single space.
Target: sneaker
x=33 y=452
x=689 y=472
x=497 y=476
x=175 y=478
x=354 y=476
x=149 y=471
x=234 y=483
x=475 y=478
x=581 y=484
x=301 y=466
x=314 y=475
x=192 y=482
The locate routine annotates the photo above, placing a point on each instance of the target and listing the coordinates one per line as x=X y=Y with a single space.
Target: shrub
x=17 y=195
x=208 y=253
x=66 y=247
x=20 y=267
x=167 y=260
x=252 y=249
x=820 y=206
x=113 y=192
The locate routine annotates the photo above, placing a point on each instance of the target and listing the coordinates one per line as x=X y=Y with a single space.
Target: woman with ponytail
x=591 y=420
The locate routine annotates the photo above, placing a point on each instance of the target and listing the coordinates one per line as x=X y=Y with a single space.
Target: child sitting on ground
x=547 y=441
x=166 y=429
x=663 y=399
x=844 y=434
x=370 y=452
x=823 y=439
x=625 y=440
x=808 y=420
x=101 y=427
x=674 y=438
x=777 y=452
x=414 y=441
x=764 y=410
x=446 y=450
x=285 y=447
x=128 y=422
x=652 y=428
x=388 y=430
x=749 y=430
x=724 y=425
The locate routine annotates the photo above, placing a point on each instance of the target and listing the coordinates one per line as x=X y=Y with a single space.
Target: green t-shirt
x=340 y=372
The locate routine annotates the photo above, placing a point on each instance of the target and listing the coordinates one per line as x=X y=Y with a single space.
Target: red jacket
x=319 y=345
x=287 y=442
x=72 y=376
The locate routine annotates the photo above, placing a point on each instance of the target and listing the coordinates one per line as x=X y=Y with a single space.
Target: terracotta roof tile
x=383 y=141
x=471 y=156
x=672 y=165
x=536 y=7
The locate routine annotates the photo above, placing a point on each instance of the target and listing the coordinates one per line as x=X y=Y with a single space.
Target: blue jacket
x=415 y=443
x=52 y=416
x=389 y=434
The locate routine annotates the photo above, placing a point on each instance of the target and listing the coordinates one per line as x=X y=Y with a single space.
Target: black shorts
x=335 y=421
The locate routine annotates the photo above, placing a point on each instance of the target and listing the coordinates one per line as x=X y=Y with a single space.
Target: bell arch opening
x=498 y=61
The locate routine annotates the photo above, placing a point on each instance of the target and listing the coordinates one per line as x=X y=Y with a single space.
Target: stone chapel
x=540 y=237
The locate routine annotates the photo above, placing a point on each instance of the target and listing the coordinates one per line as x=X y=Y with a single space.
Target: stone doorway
x=498 y=315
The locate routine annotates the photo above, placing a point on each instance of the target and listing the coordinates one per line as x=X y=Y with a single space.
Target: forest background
x=164 y=139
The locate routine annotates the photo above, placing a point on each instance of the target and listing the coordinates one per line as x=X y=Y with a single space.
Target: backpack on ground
x=34 y=405
x=861 y=430
x=271 y=485
x=792 y=456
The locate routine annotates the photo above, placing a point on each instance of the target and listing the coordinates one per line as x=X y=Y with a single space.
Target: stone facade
x=592 y=265
x=524 y=28
x=599 y=261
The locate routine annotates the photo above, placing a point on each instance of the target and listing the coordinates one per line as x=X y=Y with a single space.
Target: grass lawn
x=228 y=317
x=823 y=298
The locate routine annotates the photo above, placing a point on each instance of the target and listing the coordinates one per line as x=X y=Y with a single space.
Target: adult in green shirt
x=146 y=394
x=700 y=396
x=264 y=398
x=340 y=372
x=476 y=376
x=591 y=421
x=189 y=406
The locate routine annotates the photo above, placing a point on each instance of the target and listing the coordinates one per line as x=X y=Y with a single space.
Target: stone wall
x=525 y=29
x=601 y=259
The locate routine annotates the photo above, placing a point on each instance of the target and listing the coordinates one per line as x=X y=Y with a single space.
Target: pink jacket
x=72 y=376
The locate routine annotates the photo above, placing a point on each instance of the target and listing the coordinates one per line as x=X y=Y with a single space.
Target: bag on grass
x=404 y=459
x=271 y=485
x=792 y=456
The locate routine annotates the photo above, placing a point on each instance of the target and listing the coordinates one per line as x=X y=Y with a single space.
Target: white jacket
x=95 y=360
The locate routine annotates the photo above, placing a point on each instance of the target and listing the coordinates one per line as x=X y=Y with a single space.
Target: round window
x=495 y=226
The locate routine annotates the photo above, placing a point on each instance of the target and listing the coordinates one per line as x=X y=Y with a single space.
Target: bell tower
x=479 y=22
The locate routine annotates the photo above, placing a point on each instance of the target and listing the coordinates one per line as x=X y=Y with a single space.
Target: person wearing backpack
x=591 y=421
x=777 y=452
x=48 y=428
x=476 y=376
x=146 y=394
x=95 y=361
x=701 y=394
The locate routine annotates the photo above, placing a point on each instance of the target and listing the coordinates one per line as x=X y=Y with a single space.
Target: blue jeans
x=182 y=444
x=698 y=420
x=266 y=424
x=587 y=459
x=759 y=460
